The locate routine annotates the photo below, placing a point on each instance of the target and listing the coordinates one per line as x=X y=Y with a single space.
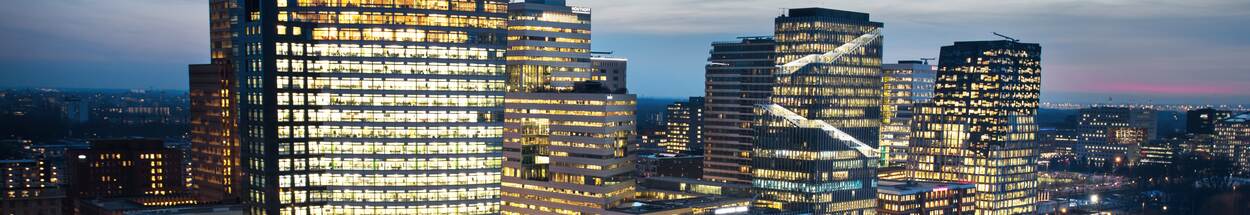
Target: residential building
x=738 y=77
x=684 y=127
x=124 y=168
x=371 y=107
x=903 y=84
x=214 y=148
x=989 y=139
x=30 y=187
x=910 y=197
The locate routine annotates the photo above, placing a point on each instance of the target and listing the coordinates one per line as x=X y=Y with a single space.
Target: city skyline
x=1094 y=54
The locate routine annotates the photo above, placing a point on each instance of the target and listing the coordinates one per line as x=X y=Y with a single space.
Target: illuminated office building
x=1233 y=132
x=684 y=127
x=903 y=85
x=548 y=45
x=815 y=147
x=803 y=165
x=1113 y=135
x=609 y=70
x=371 y=107
x=980 y=127
x=906 y=197
x=1202 y=121
x=1158 y=152
x=568 y=153
x=216 y=172
x=738 y=77
x=123 y=168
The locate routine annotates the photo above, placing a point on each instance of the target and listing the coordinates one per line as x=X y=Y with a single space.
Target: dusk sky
x=1191 y=51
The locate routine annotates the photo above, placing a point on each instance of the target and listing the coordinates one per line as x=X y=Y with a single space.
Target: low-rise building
x=910 y=197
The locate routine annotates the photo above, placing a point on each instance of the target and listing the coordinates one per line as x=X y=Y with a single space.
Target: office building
x=738 y=77
x=903 y=84
x=1112 y=136
x=371 y=107
x=1233 y=132
x=609 y=70
x=548 y=46
x=821 y=77
x=123 y=168
x=803 y=165
x=684 y=127
x=568 y=152
x=1158 y=152
x=815 y=147
x=980 y=127
x=1202 y=121
x=30 y=187
x=908 y=197
x=214 y=148
x=670 y=165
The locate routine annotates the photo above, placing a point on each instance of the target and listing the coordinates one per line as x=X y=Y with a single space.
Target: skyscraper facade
x=738 y=77
x=903 y=85
x=819 y=82
x=568 y=153
x=815 y=147
x=215 y=151
x=684 y=127
x=980 y=126
x=548 y=45
x=371 y=107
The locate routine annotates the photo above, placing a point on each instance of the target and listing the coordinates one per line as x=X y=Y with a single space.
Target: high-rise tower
x=904 y=84
x=815 y=145
x=980 y=126
x=738 y=77
x=216 y=172
x=371 y=107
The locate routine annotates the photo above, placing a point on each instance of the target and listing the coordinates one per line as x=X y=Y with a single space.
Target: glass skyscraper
x=904 y=84
x=738 y=77
x=371 y=106
x=815 y=147
x=980 y=127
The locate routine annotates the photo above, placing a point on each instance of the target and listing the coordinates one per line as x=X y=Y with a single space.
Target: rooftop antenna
x=1005 y=36
x=927 y=59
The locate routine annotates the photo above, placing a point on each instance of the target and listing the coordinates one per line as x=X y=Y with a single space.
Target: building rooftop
x=647 y=207
x=915 y=187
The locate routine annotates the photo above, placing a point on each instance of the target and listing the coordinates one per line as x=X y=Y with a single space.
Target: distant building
x=958 y=137
x=610 y=70
x=125 y=168
x=30 y=187
x=903 y=85
x=905 y=198
x=1158 y=152
x=1112 y=135
x=670 y=165
x=77 y=110
x=738 y=77
x=1057 y=142
x=1202 y=121
x=1234 y=133
x=684 y=127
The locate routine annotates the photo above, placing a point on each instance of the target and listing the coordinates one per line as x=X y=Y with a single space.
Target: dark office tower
x=214 y=145
x=214 y=149
x=1113 y=135
x=371 y=107
x=819 y=81
x=610 y=70
x=1233 y=132
x=1202 y=121
x=684 y=127
x=815 y=147
x=548 y=46
x=903 y=85
x=125 y=168
x=980 y=127
x=739 y=76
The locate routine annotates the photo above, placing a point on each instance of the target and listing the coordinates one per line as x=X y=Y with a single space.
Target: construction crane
x=1005 y=36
